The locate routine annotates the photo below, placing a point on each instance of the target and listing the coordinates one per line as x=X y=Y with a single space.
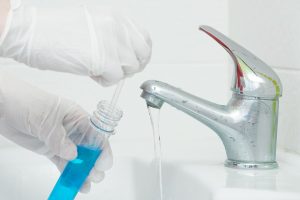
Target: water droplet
x=232 y=138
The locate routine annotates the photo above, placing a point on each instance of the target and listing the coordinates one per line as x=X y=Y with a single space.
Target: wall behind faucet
x=182 y=56
x=271 y=29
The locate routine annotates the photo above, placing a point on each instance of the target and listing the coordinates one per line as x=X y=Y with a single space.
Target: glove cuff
x=14 y=4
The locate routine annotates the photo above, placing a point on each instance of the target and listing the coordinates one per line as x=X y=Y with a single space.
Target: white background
x=189 y=59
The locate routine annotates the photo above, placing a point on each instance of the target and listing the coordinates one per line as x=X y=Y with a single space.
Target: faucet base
x=248 y=165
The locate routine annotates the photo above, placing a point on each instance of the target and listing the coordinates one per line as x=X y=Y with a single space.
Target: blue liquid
x=75 y=173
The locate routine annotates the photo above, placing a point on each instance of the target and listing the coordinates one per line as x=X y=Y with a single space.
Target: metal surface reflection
x=247 y=125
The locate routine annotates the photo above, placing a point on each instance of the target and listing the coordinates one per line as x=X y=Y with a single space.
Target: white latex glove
x=94 y=41
x=43 y=123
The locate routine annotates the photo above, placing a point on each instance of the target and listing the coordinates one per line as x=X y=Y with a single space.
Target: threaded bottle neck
x=105 y=117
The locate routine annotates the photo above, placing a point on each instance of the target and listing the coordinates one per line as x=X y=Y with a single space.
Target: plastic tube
x=117 y=93
x=89 y=148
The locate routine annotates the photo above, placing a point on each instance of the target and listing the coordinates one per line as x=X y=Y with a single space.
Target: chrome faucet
x=247 y=125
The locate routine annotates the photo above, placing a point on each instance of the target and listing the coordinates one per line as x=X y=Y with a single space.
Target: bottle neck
x=105 y=118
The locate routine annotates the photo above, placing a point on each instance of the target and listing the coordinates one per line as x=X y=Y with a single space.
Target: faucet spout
x=209 y=113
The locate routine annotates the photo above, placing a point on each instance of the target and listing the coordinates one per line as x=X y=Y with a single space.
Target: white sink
x=27 y=176
x=31 y=177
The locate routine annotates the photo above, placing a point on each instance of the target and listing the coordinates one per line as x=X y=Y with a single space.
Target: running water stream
x=154 y=117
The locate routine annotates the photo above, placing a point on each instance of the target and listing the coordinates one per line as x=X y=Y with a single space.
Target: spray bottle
x=89 y=147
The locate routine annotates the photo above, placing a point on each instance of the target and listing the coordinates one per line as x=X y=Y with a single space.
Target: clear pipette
x=116 y=95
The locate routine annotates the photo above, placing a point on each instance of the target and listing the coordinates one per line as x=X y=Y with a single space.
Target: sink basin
x=27 y=176
x=131 y=178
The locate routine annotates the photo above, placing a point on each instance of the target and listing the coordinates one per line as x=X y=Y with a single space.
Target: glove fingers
x=76 y=124
x=60 y=144
x=112 y=71
x=105 y=160
x=86 y=187
x=60 y=163
x=130 y=63
x=96 y=176
x=124 y=47
x=141 y=42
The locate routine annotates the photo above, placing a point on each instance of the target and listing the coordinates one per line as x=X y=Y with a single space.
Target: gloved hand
x=43 y=123
x=94 y=41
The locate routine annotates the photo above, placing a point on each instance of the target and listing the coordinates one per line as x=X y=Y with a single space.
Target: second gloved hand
x=93 y=41
x=44 y=123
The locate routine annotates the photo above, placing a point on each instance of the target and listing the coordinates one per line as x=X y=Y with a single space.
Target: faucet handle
x=252 y=77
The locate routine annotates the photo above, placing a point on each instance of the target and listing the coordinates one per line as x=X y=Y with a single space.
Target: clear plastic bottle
x=89 y=147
